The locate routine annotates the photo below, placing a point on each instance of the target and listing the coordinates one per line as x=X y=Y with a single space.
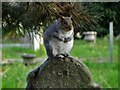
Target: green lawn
x=16 y=52
x=15 y=75
x=87 y=50
x=104 y=73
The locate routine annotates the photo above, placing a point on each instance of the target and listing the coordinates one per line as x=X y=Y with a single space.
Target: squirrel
x=59 y=37
x=58 y=41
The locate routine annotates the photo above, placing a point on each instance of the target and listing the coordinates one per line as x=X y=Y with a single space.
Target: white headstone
x=36 y=41
x=111 y=40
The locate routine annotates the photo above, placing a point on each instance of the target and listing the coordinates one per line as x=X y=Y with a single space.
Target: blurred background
x=23 y=25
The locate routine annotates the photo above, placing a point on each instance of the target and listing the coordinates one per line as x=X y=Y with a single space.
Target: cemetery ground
x=95 y=56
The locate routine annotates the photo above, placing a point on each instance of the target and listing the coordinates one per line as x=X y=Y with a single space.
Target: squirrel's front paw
x=61 y=38
x=65 y=55
x=67 y=40
x=60 y=56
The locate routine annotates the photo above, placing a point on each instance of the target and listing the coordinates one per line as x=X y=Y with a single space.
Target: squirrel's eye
x=65 y=23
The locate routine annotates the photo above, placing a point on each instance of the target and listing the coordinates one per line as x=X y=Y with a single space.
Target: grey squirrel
x=59 y=37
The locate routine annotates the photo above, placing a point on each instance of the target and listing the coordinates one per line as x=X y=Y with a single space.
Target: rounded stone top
x=60 y=73
x=90 y=32
x=28 y=56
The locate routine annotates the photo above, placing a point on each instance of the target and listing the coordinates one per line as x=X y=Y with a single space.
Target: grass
x=104 y=73
x=16 y=52
x=14 y=76
x=82 y=49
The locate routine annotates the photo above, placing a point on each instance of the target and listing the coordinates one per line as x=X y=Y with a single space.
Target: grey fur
x=57 y=41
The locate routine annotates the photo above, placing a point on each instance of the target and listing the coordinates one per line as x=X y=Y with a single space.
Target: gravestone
x=60 y=73
x=90 y=36
x=111 y=41
x=33 y=39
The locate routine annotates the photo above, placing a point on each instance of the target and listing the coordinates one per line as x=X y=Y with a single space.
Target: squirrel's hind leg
x=49 y=50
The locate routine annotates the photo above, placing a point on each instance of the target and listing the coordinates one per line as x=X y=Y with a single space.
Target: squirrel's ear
x=62 y=17
x=70 y=16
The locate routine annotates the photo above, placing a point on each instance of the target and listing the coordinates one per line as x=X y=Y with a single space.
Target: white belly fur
x=61 y=47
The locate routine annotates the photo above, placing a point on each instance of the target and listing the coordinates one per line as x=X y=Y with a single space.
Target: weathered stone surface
x=60 y=73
